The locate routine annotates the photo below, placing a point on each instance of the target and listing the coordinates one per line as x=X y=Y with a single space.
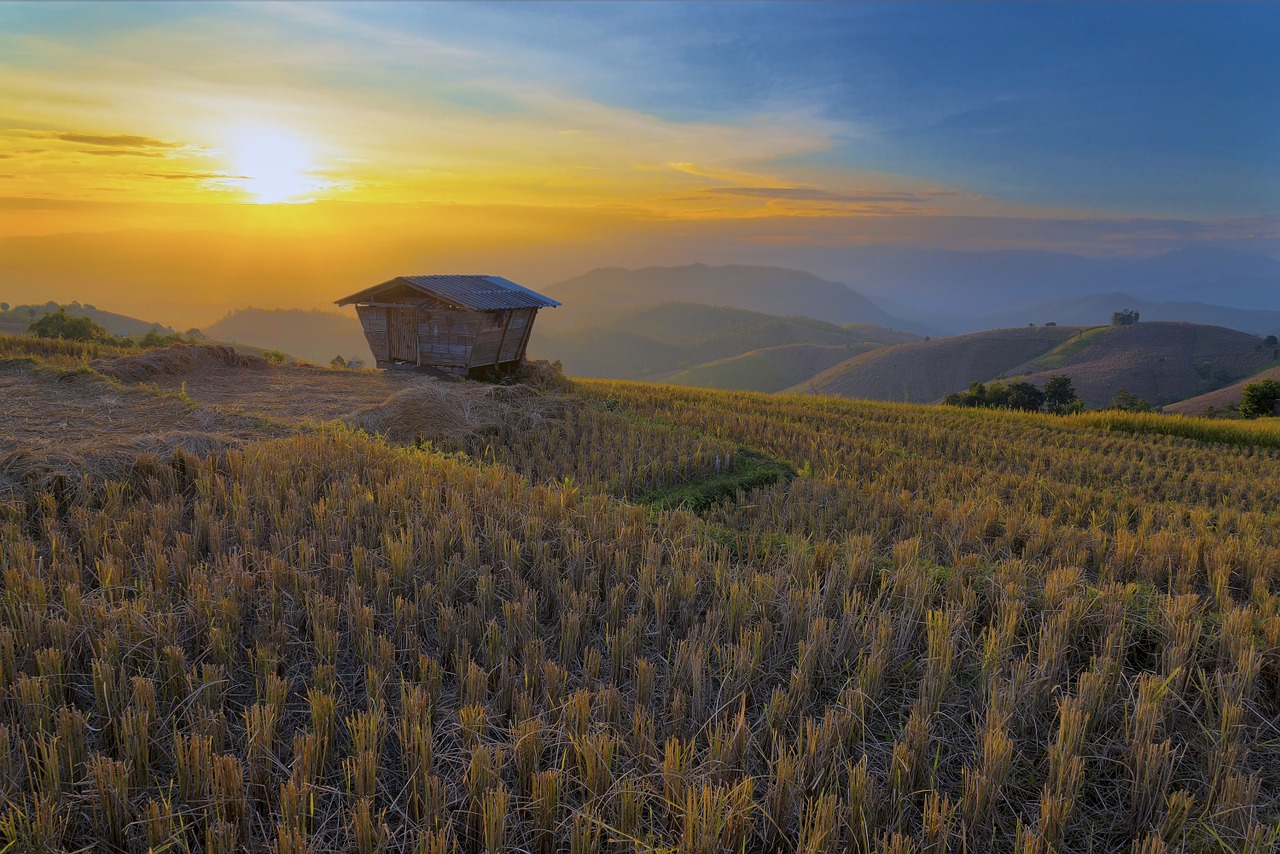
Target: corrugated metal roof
x=478 y=293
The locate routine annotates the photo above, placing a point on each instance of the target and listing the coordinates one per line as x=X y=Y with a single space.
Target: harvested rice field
x=285 y=608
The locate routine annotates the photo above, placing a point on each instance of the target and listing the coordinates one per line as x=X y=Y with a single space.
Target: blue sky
x=1133 y=107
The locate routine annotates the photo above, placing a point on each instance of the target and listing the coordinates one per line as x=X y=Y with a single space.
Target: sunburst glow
x=273 y=166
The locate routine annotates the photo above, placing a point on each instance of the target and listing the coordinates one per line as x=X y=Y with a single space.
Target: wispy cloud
x=121 y=152
x=193 y=176
x=116 y=140
x=854 y=197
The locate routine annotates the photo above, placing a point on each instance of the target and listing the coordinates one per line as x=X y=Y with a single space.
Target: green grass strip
x=752 y=469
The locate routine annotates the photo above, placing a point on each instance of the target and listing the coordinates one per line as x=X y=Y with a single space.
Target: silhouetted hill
x=592 y=298
x=652 y=341
x=315 y=336
x=19 y=317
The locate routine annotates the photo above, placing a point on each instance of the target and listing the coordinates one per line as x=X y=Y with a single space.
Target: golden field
x=870 y=627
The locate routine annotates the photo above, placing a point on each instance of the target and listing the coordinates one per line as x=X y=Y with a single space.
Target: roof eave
x=358 y=296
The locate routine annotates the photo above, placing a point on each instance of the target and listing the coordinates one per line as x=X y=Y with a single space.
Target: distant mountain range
x=656 y=341
x=596 y=297
x=969 y=291
x=1095 y=309
x=1203 y=315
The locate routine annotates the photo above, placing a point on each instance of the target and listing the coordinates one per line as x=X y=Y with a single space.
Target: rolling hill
x=657 y=340
x=925 y=371
x=770 y=368
x=1159 y=362
x=594 y=297
x=315 y=336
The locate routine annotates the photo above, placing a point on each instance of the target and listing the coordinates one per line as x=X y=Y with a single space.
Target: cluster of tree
x=70 y=327
x=59 y=324
x=1259 y=398
x=1127 y=317
x=1058 y=396
x=1127 y=401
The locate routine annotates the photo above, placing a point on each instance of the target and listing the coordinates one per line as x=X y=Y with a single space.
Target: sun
x=273 y=166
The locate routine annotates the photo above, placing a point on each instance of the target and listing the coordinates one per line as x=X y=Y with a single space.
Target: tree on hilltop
x=1126 y=317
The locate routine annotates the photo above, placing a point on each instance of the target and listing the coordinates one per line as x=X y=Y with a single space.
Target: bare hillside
x=1220 y=398
x=925 y=371
x=1159 y=362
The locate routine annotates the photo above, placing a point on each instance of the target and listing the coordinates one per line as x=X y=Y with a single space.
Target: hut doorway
x=402 y=334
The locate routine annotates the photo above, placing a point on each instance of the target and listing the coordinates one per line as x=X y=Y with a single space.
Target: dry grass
x=184 y=360
x=78 y=424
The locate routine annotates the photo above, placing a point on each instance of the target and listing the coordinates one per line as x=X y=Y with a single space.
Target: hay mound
x=178 y=359
x=28 y=471
x=435 y=409
x=544 y=376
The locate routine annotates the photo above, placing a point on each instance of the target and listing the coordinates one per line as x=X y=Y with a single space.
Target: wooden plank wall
x=488 y=336
x=452 y=338
x=402 y=334
x=446 y=336
x=374 y=321
x=518 y=334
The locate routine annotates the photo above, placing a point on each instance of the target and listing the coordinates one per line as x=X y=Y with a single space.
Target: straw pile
x=178 y=359
x=435 y=409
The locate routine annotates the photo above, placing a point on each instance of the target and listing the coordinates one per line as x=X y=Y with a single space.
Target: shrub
x=1127 y=401
x=59 y=324
x=1259 y=398
x=1126 y=317
x=276 y=357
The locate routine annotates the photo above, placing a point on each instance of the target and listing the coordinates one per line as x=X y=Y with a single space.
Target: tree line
x=1058 y=396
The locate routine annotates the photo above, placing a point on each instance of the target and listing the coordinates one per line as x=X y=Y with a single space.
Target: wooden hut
x=457 y=324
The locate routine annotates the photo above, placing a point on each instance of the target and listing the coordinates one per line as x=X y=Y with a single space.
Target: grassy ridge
x=1068 y=350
